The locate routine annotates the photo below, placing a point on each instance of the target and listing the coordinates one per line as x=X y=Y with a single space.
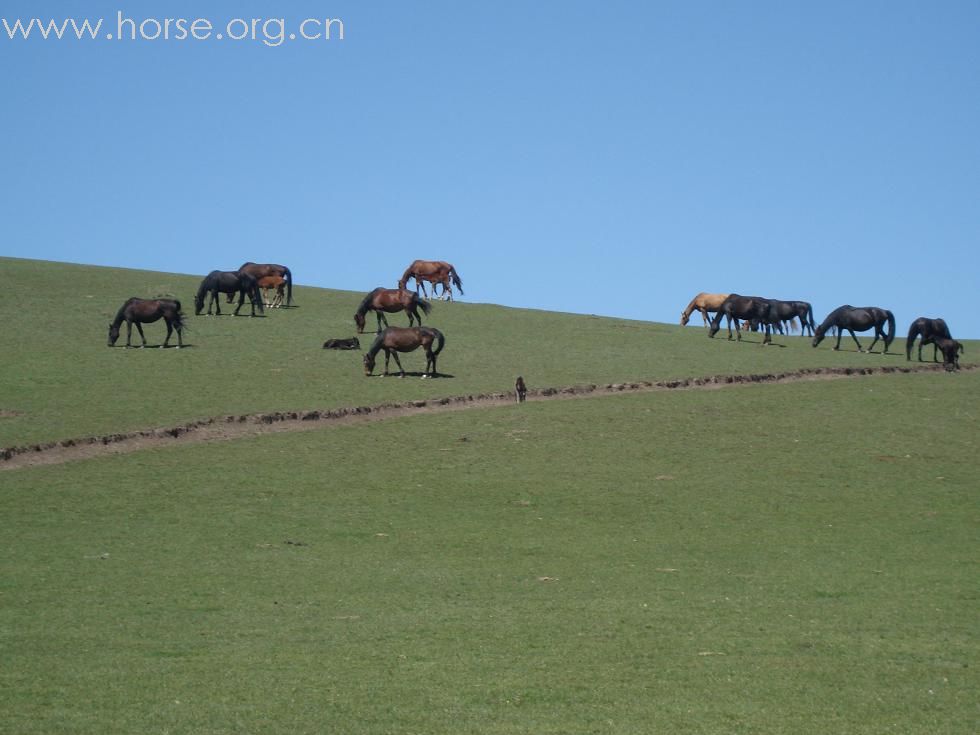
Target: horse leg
x=840 y=333
x=139 y=328
x=878 y=333
x=430 y=361
x=397 y=362
x=704 y=315
x=854 y=337
x=129 y=333
x=170 y=329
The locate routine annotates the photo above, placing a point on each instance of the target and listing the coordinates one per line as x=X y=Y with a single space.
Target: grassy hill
x=61 y=381
x=792 y=558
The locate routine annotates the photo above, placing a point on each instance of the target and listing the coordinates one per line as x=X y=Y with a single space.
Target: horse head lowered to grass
x=860 y=319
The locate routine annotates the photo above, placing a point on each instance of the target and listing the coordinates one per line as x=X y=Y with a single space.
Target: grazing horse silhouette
x=520 y=389
x=259 y=270
x=951 y=350
x=405 y=339
x=860 y=319
x=434 y=271
x=229 y=282
x=753 y=308
x=268 y=283
x=146 y=311
x=787 y=312
x=928 y=330
x=391 y=300
x=704 y=303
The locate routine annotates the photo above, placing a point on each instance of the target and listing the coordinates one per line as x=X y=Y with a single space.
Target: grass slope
x=61 y=381
x=763 y=559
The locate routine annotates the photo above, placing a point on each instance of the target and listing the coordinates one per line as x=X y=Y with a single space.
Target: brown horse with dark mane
x=391 y=300
x=146 y=311
x=435 y=272
x=261 y=270
x=406 y=339
x=267 y=284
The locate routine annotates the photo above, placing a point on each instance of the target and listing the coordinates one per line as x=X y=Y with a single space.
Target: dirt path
x=225 y=428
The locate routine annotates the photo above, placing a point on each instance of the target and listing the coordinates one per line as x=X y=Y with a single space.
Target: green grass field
x=796 y=558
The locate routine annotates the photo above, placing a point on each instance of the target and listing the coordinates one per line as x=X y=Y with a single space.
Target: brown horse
x=703 y=302
x=391 y=300
x=434 y=271
x=260 y=270
x=406 y=339
x=146 y=311
x=267 y=283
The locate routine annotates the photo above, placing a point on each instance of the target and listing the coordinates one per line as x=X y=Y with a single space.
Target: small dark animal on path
x=405 y=339
x=520 y=388
x=146 y=311
x=858 y=318
x=951 y=350
x=391 y=300
x=350 y=343
x=928 y=330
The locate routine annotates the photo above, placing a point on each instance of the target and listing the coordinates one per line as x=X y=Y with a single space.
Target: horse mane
x=365 y=304
x=120 y=315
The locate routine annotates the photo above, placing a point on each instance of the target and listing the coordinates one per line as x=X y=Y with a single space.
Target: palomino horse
x=929 y=330
x=146 y=311
x=703 y=302
x=267 y=283
x=434 y=271
x=259 y=270
x=391 y=300
x=405 y=339
x=752 y=308
x=229 y=282
x=861 y=319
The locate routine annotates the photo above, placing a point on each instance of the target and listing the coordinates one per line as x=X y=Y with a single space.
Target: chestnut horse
x=259 y=270
x=146 y=311
x=405 y=339
x=929 y=330
x=391 y=300
x=434 y=271
x=267 y=283
x=703 y=302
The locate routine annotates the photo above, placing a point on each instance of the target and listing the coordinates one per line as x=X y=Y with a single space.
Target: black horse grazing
x=146 y=311
x=854 y=318
x=751 y=308
x=391 y=300
x=228 y=282
x=405 y=339
x=929 y=330
x=951 y=350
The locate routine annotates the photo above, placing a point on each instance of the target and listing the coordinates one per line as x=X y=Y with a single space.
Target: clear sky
x=611 y=158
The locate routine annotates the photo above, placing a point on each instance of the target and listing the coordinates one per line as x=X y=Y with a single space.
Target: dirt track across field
x=247 y=425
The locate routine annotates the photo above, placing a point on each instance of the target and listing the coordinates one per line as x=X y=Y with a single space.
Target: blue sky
x=611 y=158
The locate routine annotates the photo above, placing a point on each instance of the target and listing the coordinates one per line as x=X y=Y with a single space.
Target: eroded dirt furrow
x=247 y=425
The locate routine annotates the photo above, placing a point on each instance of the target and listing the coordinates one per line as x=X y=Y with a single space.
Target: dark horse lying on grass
x=391 y=300
x=929 y=330
x=146 y=311
x=405 y=339
x=860 y=319
x=229 y=282
x=751 y=308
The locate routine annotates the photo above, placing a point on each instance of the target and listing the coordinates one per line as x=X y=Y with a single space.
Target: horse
x=260 y=270
x=951 y=350
x=343 y=343
x=228 y=282
x=434 y=271
x=146 y=311
x=753 y=308
x=803 y=311
x=391 y=300
x=928 y=330
x=861 y=319
x=520 y=389
x=267 y=283
x=405 y=339
x=703 y=302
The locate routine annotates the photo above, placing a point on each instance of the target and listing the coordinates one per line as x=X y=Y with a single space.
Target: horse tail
x=439 y=339
x=179 y=322
x=891 y=328
x=425 y=305
x=809 y=309
x=288 y=275
x=457 y=282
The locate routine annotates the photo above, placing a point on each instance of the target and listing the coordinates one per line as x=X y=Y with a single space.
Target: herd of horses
x=755 y=312
x=255 y=281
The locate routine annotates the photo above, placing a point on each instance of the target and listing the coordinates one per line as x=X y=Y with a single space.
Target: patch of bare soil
x=225 y=428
